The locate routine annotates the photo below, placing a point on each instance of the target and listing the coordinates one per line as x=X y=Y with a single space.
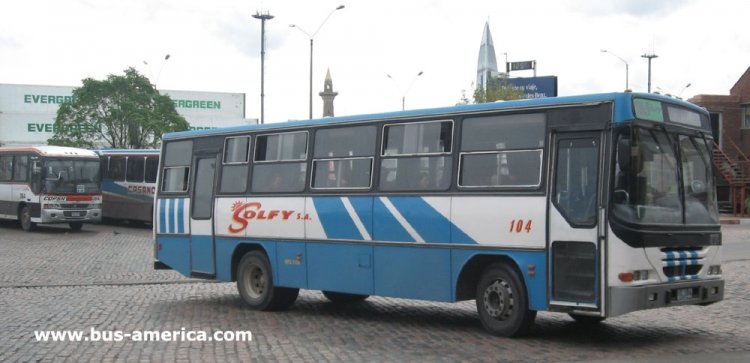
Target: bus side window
x=343 y=157
x=116 y=169
x=235 y=165
x=135 y=167
x=177 y=158
x=280 y=163
x=152 y=168
x=417 y=156
x=6 y=167
x=21 y=168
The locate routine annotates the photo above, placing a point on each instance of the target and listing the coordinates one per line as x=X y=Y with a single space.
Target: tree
x=497 y=89
x=124 y=112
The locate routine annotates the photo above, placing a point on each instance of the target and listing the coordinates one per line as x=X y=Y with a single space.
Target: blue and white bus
x=594 y=206
x=128 y=183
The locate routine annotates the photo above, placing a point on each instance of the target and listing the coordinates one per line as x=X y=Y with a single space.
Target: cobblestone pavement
x=102 y=278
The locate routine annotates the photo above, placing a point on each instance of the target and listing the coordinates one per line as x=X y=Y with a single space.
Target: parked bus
x=49 y=184
x=594 y=206
x=128 y=183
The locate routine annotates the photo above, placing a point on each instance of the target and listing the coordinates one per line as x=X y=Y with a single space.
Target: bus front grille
x=682 y=263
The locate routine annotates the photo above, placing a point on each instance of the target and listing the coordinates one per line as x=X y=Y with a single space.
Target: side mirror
x=623 y=153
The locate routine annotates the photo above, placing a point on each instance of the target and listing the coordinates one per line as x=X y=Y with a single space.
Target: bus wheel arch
x=472 y=271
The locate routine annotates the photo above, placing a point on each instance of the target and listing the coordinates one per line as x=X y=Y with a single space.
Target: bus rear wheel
x=502 y=302
x=340 y=297
x=255 y=284
x=24 y=217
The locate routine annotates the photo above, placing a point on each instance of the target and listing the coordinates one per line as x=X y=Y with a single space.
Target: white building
x=27 y=112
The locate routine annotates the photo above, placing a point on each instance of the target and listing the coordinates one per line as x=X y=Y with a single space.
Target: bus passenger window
x=177 y=158
x=21 y=168
x=343 y=158
x=6 y=167
x=235 y=165
x=135 y=167
x=502 y=151
x=116 y=168
x=416 y=156
x=280 y=163
x=152 y=168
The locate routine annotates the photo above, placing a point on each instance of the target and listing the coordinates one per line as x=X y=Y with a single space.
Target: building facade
x=730 y=121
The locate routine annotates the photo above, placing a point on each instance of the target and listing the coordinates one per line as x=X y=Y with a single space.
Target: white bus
x=49 y=184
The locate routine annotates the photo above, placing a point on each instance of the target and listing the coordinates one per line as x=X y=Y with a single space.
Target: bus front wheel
x=502 y=302
x=255 y=284
x=24 y=216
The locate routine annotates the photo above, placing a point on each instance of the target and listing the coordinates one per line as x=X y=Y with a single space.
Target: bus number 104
x=520 y=225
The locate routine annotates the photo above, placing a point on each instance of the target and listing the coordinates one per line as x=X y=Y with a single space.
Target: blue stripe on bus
x=387 y=228
x=336 y=221
x=162 y=215
x=180 y=215
x=170 y=207
x=432 y=226
x=363 y=207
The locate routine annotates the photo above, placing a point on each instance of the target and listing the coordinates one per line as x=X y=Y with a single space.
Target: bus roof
x=127 y=151
x=621 y=113
x=52 y=151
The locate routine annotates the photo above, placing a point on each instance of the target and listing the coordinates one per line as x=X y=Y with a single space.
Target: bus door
x=573 y=218
x=201 y=215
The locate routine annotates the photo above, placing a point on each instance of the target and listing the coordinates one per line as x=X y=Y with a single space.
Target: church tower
x=328 y=95
x=487 y=63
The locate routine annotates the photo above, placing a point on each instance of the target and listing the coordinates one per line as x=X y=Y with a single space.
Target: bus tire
x=76 y=226
x=502 y=302
x=340 y=297
x=255 y=284
x=24 y=218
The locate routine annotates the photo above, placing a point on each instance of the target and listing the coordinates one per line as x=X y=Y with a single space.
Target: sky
x=215 y=46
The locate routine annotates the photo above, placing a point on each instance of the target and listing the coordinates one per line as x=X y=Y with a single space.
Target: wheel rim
x=255 y=282
x=498 y=300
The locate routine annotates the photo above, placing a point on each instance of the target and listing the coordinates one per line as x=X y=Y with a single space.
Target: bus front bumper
x=625 y=299
x=68 y=215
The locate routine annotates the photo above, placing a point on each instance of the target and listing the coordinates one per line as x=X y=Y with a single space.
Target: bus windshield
x=663 y=178
x=70 y=176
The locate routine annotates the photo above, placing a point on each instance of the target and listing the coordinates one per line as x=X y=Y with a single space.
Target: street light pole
x=627 y=76
x=403 y=95
x=311 y=37
x=262 y=17
x=649 y=56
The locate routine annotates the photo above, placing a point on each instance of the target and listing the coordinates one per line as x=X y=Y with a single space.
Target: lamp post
x=649 y=56
x=403 y=95
x=166 y=57
x=262 y=17
x=311 y=37
x=627 y=76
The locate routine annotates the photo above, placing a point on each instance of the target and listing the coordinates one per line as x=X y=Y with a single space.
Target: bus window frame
x=248 y=162
x=247 y=156
x=175 y=192
x=303 y=161
x=367 y=188
x=449 y=154
x=499 y=152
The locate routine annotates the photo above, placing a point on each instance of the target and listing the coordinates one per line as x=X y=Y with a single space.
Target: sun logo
x=237 y=205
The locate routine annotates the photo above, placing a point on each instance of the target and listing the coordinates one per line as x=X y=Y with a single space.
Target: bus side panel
x=174 y=251
x=340 y=267
x=413 y=273
x=531 y=265
x=291 y=264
